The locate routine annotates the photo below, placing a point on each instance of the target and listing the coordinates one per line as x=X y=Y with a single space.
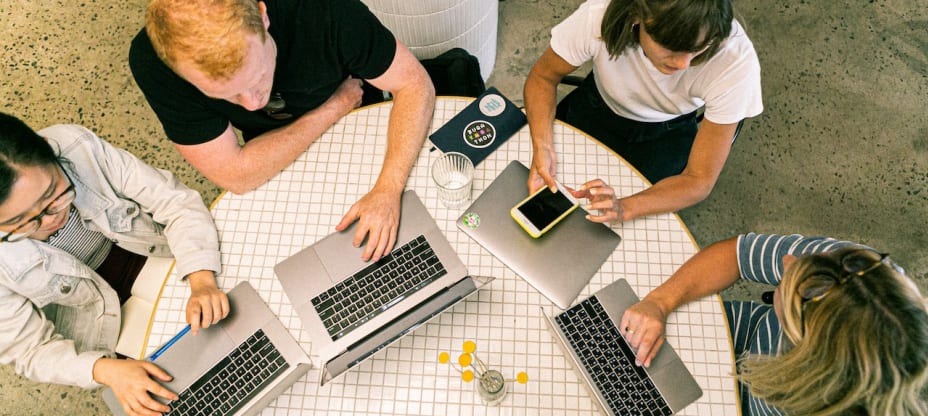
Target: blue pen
x=154 y=356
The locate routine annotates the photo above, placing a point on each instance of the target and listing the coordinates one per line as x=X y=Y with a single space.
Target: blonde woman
x=847 y=332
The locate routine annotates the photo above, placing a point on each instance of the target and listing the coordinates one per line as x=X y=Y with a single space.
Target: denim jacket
x=57 y=316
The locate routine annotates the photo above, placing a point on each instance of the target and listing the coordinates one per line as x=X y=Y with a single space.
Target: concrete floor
x=840 y=150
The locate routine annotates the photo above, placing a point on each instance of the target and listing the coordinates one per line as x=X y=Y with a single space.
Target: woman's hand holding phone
x=543 y=209
x=602 y=198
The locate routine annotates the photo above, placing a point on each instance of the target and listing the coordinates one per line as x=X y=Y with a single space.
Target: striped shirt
x=90 y=247
x=754 y=327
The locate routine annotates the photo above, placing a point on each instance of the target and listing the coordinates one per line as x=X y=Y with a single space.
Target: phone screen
x=545 y=207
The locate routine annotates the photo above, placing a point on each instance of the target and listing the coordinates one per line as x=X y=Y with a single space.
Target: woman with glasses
x=78 y=218
x=846 y=334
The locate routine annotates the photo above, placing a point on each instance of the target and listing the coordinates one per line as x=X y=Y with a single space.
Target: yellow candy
x=443 y=357
x=470 y=346
x=522 y=378
x=467 y=376
x=464 y=360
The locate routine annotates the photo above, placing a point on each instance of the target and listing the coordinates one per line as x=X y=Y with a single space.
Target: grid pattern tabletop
x=303 y=203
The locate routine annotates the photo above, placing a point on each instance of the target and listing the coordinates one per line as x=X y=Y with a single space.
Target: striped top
x=90 y=247
x=754 y=327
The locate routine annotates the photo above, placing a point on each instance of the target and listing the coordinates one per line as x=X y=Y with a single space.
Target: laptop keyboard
x=610 y=361
x=238 y=377
x=378 y=287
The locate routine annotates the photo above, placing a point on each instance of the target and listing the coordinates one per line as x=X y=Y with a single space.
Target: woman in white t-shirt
x=655 y=63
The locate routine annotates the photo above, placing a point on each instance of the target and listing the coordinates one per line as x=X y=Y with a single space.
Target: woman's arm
x=540 y=107
x=709 y=271
x=707 y=158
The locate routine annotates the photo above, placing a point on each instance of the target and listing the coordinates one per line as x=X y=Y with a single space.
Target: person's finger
x=193 y=316
x=387 y=238
x=150 y=403
x=350 y=217
x=216 y=302
x=602 y=192
x=155 y=371
x=225 y=305
x=653 y=351
x=602 y=219
x=371 y=245
x=206 y=313
x=360 y=234
x=601 y=204
x=549 y=181
x=535 y=182
x=594 y=183
x=377 y=243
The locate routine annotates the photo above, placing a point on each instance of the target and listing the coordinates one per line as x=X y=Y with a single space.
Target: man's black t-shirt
x=319 y=43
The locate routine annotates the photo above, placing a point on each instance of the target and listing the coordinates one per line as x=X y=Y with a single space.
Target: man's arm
x=540 y=93
x=671 y=194
x=413 y=103
x=242 y=168
x=709 y=271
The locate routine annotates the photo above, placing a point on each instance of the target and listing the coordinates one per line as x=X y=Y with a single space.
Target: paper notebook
x=481 y=127
x=138 y=310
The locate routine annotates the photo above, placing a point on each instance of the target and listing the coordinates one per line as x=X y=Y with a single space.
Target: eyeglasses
x=855 y=265
x=59 y=204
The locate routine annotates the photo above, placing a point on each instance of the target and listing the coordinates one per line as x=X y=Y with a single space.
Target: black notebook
x=480 y=127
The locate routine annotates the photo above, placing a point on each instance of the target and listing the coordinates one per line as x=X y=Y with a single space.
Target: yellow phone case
x=529 y=229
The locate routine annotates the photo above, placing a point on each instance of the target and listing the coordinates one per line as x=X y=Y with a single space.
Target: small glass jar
x=491 y=386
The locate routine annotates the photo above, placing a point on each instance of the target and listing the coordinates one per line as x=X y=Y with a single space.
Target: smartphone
x=542 y=210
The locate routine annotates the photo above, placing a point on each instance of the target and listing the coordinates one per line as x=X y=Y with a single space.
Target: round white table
x=303 y=203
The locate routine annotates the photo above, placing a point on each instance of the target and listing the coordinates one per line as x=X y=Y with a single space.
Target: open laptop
x=588 y=334
x=561 y=262
x=235 y=367
x=352 y=308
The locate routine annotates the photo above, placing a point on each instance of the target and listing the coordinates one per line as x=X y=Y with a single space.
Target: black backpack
x=455 y=72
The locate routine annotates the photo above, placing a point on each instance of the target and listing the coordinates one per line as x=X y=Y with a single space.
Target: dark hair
x=20 y=146
x=678 y=25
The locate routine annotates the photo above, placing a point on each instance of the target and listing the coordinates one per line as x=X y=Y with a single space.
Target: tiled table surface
x=303 y=204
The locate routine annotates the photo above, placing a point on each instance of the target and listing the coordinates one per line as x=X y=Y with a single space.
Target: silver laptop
x=352 y=308
x=561 y=262
x=588 y=334
x=236 y=367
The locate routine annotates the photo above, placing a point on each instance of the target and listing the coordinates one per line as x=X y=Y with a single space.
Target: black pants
x=657 y=150
x=120 y=269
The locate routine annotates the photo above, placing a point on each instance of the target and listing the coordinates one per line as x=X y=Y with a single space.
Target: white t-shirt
x=728 y=84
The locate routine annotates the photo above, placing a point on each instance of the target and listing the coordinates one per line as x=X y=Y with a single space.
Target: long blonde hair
x=210 y=34
x=859 y=341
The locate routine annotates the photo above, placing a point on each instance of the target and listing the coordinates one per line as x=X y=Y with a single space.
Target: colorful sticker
x=471 y=220
x=479 y=134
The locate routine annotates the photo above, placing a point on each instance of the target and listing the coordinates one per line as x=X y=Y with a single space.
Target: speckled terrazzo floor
x=841 y=148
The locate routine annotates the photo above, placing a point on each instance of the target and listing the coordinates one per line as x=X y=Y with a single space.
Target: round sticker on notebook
x=479 y=134
x=492 y=105
x=471 y=220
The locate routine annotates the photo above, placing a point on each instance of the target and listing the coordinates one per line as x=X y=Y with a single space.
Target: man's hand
x=643 y=326
x=378 y=216
x=602 y=198
x=207 y=305
x=543 y=170
x=347 y=97
x=132 y=384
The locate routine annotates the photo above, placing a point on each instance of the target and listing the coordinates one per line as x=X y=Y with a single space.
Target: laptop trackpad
x=303 y=275
x=184 y=361
x=339 y=256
